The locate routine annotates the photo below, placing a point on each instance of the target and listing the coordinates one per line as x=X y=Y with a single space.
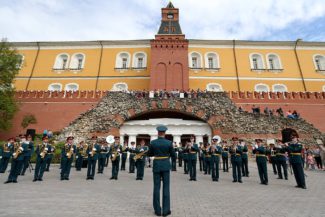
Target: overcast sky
x=65 y=20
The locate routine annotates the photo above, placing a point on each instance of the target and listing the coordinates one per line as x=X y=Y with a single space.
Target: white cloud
x=34 y=20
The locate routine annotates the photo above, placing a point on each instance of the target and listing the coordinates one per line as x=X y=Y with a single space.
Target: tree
x=27 y=120
x=9 y=62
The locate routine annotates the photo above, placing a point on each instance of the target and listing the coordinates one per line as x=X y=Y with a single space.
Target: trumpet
x=93 y=150
x=140 y=155
x=44 y=151
x=69 y=151
x=18 y=150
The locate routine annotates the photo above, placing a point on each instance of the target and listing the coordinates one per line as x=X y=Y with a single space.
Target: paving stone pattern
x=127 y=197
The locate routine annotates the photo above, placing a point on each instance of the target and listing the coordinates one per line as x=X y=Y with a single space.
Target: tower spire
x=170 y=21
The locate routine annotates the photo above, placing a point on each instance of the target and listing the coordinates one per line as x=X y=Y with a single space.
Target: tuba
x=18 y=150
x=43 y=151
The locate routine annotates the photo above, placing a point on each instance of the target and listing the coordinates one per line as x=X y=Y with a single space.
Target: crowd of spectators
x=256 y=110
x=164 y=94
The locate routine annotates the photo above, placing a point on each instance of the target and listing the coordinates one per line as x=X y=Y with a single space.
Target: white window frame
x=115 y=88
x=199 y=59
x=322 y=64
x=50 y=89
x=55 y=66
x=67 y=85
x=274 y=86
x=72 y=66
x=119 y=61
x=216 y=61
x=278 y=67
x=135 y=62
x=252 y=62
x=267 y=86
x=208 y=87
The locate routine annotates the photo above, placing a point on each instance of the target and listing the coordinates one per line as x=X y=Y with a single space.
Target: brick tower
x=169 y=50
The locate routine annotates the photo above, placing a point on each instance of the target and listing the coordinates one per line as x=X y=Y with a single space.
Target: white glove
x=94 y=149
x=118 y=150
x=21 y=148
x=14 y=154
x=256 y=146
x=141 y=150
x=76 y=157
x=46 y=149
x=0 y=157
x=90 y=152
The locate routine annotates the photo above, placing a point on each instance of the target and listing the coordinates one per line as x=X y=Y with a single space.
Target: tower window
x=194 y=62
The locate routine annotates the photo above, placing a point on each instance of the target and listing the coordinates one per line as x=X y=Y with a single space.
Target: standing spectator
x=280 y=112
x=318 y=158
x=45 y=132
x=266 y=111
x=240 y=109
x=310 y=160
x=322 y=153
x=49 y=134
x=295 y=114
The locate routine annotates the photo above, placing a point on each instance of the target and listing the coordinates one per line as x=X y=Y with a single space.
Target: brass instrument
x=115 y=153
x=69 y=151
x=18 y=150
x=83 y=149
x=93 y=150
x=140 y=155
x=44 y=151
x=6 y=148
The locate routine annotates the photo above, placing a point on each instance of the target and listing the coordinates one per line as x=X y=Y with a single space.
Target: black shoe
x=234 y=181
x=190 y=179
x=88 y=178
x=115 y=178
x=279 y=178
x=265 y=183
x=40 y=179
x=34 y=180
x=167 y=214
x=247 y=175
x=297 y=186
x=61 y=178
x=157 y=214
x=66 y=178
x=15 y=181
x=92 y=178
x=303 y=187
x=112 y=178
x=193 y=179
x=286 y=178
x=240 y=181
x=22 y=174
x=8 y=181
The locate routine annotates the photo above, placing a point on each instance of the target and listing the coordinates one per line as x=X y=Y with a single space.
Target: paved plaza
x=127 y=197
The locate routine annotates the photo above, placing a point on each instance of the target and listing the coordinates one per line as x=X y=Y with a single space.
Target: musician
x=161 y=149
x=244 y=158
x=175 y=158
x=49 y=158
x=7 y=151
x=131 y=159
x=207 y=159
x=16 y=162
x=225 y=155
x=42 y=153
x=201 y=156
x=273 y=158
x=236 y=160
x=79 y=155
x=295 y=148
x=102 y=157
x=124 y=155
x=141 y=150
x=115 y=151
x=180 y=155
x=67 y=152
x=28 y=154
x=93 y=150
x=261 y=160
x=215 y=152
x=185 y=159
x=192 y=150
x=281 y=161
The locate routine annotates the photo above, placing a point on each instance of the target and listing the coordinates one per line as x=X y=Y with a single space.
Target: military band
x=19 y=151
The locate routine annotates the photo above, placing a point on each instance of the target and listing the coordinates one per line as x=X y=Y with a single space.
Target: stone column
x=132 y=138
x=199 y=139
x=153 y=137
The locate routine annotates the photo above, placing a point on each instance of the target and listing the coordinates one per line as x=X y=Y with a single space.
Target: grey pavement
x=127 y=197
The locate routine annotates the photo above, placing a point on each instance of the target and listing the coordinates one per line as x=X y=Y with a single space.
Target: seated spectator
x=290 y=115
x=295 y=114
x=50 y=134
x=280 y=112
x=266 y=111
x=240 y=109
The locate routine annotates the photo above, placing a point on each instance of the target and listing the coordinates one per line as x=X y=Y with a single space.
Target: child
x=311 y=161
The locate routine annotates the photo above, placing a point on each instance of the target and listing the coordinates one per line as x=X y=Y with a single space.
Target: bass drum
x=286 y=134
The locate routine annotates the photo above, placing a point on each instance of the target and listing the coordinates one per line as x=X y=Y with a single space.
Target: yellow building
x=218 y=65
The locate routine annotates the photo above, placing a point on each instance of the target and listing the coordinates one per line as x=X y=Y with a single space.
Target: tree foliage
x=9 y=62
x=27 y=120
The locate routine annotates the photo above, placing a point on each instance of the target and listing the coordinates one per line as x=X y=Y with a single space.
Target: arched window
x=71 y=87
x=195 y=60
x=262 y=88
x=61 y=62
x=215 y=87
x=139 y=60
x=122 y=61
x=120 y=87
x=212 y=61
x=319 y=61
x=279 y=88
x=273 y=62
x=257 y=62
x=55 y=87
x=21 y=59
x=77 y=61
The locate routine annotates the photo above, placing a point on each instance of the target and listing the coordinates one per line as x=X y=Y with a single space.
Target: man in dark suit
x=161 y=149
